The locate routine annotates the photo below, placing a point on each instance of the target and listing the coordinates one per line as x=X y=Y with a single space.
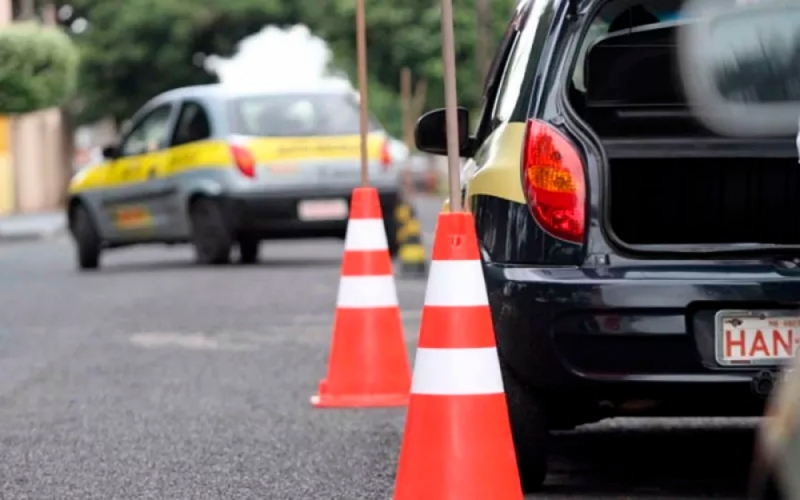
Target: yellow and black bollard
x=412 y=257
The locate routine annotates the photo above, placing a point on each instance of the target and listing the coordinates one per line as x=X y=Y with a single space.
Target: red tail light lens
x=386 y=156
x=244 y=160
x=554 y=182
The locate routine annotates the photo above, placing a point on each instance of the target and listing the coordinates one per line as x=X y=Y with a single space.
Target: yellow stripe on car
x=216 y=154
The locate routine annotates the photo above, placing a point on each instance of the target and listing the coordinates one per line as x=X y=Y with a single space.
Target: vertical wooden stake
x=451 y=105
x=361 y=48
x=405 y=99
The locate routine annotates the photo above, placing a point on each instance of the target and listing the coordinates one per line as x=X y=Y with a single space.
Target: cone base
x=457 y=447
x=359 y=401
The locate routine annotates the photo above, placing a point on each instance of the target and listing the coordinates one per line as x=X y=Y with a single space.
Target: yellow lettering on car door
x=154 y=165
x=199 y=154
x=125 y=171
x=132 y=172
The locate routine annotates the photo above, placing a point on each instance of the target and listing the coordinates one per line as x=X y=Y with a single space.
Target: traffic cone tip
x=455 y=237
x=365 y=204
x=456 y=372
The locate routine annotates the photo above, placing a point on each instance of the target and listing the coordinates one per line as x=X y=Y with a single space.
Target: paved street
x=156 y=379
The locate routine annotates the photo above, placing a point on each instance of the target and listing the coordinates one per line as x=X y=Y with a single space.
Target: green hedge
x=38 y=67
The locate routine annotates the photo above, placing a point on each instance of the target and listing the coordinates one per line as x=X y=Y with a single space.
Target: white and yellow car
x=220 y=168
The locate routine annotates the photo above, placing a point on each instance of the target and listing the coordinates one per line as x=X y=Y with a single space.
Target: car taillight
x=554 y=182
x=244 y=160
x=386 y=156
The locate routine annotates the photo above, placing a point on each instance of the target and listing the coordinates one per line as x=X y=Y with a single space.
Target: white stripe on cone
x=362 y=292
x=457 y=372
x=365 y=235
x=456 y=283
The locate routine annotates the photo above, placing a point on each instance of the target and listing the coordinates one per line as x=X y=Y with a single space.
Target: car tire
x=248 y=249
x=211 y=237
x=528 y=414
x=86 y=238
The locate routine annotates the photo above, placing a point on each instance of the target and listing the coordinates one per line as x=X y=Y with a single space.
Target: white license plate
x=746 y=338
x=322 y=209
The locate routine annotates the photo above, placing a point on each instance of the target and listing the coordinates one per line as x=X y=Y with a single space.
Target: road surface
x=156 y=379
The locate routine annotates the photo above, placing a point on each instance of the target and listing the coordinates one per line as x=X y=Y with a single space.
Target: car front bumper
x=629 y=334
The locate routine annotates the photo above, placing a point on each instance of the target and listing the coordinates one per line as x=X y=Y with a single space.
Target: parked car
x=637 y=263
x=218 y=168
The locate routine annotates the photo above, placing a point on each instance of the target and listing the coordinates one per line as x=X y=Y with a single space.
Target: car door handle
x=152 y=172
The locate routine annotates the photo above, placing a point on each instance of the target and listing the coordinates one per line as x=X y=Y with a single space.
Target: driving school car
x=637 y=262
x=221 y=168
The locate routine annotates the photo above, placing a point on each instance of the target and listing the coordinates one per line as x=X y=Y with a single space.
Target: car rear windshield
x=297 y=115
x=618 y=17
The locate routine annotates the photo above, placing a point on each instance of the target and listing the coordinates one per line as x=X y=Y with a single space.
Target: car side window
x=484 y=126
x=150 y=134
x=525 y=53
x=193 y=124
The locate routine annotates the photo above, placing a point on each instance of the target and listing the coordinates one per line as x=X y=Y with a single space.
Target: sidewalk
x=32 y=226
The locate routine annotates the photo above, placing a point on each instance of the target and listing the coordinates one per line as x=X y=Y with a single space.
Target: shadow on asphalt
x=657 y=463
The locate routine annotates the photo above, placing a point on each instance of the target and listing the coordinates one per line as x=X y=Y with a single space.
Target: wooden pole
x=451 y=105
x=405 y=99
x=361 y=48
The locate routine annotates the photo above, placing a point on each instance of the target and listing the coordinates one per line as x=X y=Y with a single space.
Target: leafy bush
x=38 y=67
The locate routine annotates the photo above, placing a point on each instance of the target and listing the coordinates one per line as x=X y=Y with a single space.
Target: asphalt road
x=156 y=379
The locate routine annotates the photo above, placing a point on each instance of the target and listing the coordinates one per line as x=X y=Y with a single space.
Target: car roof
x=217 y=91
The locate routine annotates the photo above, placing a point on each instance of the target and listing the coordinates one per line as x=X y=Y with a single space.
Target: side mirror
x=430 y=134
x=110 y=152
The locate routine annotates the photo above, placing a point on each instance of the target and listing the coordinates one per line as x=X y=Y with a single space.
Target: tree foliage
x=135 y=49
x=38 y=68
x=407 y=34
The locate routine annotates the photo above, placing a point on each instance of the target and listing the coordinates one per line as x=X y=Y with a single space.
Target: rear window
x=296 y=115
x=626 y=79
x=618 y=18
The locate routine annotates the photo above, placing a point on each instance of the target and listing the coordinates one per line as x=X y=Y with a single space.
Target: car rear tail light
x=244 y=160
x=554 y=182
x=386 y=156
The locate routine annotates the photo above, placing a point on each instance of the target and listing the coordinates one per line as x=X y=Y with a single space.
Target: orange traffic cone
x=368 y=363
x=457 y=442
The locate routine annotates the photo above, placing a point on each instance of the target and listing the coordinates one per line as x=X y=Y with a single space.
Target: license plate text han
x=757 y=339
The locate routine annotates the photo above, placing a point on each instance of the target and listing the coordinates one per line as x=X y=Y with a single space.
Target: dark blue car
x=637 y=261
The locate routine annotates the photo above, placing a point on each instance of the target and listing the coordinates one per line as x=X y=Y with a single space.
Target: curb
x=31 y=235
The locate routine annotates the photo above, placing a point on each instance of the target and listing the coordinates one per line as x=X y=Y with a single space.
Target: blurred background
x=89 y=64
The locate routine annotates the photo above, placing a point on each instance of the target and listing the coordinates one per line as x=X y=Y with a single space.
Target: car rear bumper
x=275 y=214
x=624 y=334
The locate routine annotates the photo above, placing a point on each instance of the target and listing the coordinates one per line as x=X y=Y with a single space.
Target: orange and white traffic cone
x=368 y=363
x=457 y=442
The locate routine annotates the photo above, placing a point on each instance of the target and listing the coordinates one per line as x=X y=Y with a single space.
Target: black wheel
x=211 y=236
x=248 y=249
x=86 y=238
x=390 y=223
x=528 y=412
